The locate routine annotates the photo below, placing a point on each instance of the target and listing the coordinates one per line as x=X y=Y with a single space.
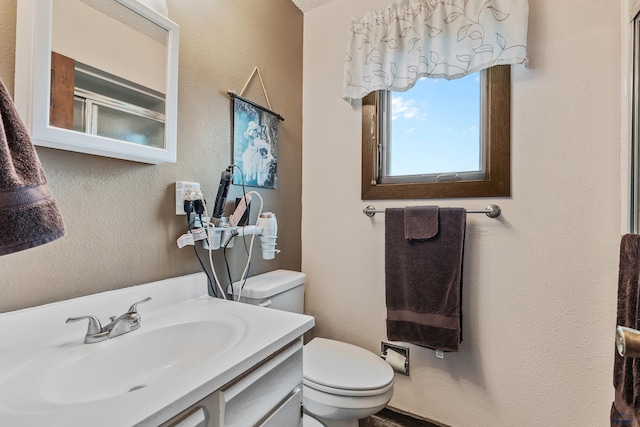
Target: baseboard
x=406 y=419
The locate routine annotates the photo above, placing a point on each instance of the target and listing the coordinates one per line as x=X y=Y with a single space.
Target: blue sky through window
x=435 y=127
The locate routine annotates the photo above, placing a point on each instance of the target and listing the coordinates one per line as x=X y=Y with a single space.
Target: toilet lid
x=339 y=365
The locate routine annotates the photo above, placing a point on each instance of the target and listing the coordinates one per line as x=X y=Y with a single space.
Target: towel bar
x=492 y=211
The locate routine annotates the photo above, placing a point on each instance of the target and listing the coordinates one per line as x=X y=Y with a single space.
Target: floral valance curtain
x=391 y=48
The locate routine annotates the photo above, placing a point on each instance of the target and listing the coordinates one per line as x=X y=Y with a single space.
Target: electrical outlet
x=185 y=191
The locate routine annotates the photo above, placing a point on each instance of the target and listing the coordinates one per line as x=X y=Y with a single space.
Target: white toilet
x=341 y=382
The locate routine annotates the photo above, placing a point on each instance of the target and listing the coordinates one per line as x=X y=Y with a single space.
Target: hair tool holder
x=266 y=228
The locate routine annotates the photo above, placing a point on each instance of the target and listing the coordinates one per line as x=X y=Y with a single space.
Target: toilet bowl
x=341 y=382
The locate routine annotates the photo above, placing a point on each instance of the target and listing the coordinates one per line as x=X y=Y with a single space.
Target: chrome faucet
x=125 y=323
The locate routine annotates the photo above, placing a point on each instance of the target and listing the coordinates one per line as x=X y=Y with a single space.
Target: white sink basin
x=80 y=373
x=188 y=346
x=146 y=358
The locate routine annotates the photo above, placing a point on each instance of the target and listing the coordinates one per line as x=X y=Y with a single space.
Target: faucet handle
x=94 y=324
x=134 y=307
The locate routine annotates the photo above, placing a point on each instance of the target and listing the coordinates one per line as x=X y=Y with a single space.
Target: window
x=388 y=173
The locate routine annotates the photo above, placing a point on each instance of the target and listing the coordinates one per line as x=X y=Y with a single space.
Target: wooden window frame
x=498 y=150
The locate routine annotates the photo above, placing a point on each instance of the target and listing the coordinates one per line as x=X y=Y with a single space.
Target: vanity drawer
x=197 y=418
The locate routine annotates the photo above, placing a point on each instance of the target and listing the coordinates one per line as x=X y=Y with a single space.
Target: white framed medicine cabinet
x=98 y=77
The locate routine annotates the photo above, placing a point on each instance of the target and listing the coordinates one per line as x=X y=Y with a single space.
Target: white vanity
x=194 y=361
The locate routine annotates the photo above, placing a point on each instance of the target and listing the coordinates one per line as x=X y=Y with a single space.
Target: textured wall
x=120 y=215
x=540 y=282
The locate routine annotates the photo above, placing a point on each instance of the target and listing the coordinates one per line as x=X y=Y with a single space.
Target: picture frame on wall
x=255 y=144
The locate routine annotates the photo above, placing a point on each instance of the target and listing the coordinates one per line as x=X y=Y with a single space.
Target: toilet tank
x=280 y=289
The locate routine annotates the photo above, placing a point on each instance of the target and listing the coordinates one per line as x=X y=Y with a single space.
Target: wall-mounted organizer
x=223 y=235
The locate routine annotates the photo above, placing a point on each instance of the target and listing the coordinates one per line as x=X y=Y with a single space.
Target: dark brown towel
x=423 y=281
x=420 y=222
x=29 y=216
x=625 y=410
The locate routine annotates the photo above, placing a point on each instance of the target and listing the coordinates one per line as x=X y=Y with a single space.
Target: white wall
x=539 y=296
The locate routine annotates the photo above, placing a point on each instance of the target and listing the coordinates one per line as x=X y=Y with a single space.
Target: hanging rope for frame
x=232 y=94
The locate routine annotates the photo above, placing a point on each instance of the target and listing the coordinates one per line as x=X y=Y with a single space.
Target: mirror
x=98 y=77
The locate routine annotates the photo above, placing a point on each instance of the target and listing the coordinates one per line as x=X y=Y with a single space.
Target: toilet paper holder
x=399 y=359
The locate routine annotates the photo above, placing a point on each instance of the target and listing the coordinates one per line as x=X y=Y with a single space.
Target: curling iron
x=223 y=190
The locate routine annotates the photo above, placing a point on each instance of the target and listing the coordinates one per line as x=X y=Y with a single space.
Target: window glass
x=434 y=129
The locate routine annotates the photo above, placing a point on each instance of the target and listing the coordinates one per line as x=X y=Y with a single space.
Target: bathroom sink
x=139 y=360
x=188 y=346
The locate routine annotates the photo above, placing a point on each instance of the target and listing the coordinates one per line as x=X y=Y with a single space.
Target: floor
x=390 y=418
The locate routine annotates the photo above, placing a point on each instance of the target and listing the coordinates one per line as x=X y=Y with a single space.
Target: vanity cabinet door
x=270 y=391
x=267 y=395
x=286 y=414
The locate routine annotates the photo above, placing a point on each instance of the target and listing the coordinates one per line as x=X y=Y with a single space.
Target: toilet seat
x=346 y=392
x=344 y=369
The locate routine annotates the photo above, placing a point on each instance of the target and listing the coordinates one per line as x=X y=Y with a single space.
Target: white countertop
x=35 y=339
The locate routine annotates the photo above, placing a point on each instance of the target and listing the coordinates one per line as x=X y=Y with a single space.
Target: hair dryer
x=269 y=226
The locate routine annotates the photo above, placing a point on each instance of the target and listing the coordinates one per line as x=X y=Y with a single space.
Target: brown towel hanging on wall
x=625 y=411
x=423 y=279
x=29 y=216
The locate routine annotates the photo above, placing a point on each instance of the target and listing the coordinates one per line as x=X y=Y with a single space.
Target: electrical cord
x=213 y=270
x=225 y=245
x=244 y=239
x=209 y=283
x=226 y=263
x=246 y=249
x=199 y=208
x=243 y=277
